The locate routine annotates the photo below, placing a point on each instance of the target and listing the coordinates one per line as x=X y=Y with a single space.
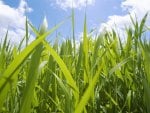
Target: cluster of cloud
x=13 y=20
x=135 y=8
x=78 y=4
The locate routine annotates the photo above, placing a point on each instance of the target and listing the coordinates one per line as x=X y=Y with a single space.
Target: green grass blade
x=27 y=34
x=14 y=66
x=64 y=69
x=31 y=79
x=142 y=24
x=85 y=53
x=73 y=31
x=118 y=66
x=68 y=97
x=86 y=96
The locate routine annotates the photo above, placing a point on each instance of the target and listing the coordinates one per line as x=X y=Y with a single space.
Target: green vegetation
x=101 y=75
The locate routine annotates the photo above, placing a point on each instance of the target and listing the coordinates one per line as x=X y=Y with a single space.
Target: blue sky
x=100 y=13
x=96 y=13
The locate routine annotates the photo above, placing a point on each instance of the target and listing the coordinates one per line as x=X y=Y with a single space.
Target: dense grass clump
x=102 y=75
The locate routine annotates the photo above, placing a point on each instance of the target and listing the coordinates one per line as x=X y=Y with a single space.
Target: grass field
x=101 y=75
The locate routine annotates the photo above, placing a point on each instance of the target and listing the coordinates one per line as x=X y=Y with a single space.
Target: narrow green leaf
x=31 y=79
x=86 y=96
x=118 y=66
x=14 y=66
x=85 y=53
x=64 y=69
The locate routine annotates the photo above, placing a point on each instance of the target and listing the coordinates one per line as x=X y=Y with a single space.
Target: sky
x=101 y=15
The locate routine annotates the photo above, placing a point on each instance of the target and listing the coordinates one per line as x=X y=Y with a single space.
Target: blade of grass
x=64 y=69
x=68 y=98
x=85 y=53
x=118 y=66
x=86 y=96
x=31 y=79
x=14 y=66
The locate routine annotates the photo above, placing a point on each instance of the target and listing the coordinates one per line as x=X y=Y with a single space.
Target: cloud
x=13 y=20
x=78 y=4
x=135 y=8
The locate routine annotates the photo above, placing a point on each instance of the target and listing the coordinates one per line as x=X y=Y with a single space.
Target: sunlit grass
x=102 y=75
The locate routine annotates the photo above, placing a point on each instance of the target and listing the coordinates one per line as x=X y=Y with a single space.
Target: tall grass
x=102 y=75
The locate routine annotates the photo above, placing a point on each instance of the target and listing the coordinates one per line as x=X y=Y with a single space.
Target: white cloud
x=13 y=20
x=64 y=4
x=136 y=8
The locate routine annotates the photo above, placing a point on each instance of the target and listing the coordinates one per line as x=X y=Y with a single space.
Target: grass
x=102 y=75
